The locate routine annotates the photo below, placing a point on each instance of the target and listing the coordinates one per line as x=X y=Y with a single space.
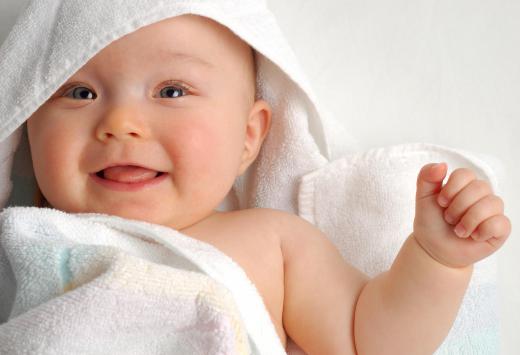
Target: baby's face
x=176 y=98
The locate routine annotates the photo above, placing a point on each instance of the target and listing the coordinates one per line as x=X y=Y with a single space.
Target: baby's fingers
x=497 y=227
x=458 y=179
x=485 y=208
x=473 y=192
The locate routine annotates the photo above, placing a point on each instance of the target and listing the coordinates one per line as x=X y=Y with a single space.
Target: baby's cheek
x=208 y=152
x=57 y=171
x=197 y=143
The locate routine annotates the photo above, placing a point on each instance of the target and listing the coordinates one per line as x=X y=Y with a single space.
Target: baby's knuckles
x=463 y=174
x=458 y=179
x=489 y=206
x=481 y=187
x=495 y=229
x=473 y=193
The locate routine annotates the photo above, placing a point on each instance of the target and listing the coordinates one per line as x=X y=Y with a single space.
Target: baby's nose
x=122 y=123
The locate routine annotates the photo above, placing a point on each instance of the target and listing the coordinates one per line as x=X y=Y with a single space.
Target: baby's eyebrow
x=179 y=56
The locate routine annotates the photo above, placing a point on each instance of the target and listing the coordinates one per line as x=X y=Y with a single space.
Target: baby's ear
x=257 y=127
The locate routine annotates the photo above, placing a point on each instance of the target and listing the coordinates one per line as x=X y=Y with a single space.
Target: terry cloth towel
x=369 y=230
x=308 y=165
x=98 y=284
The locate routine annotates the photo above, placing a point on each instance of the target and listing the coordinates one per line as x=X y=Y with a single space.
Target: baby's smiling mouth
x=128 y=174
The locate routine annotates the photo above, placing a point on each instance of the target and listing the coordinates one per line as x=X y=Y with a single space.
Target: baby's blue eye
x=172 y=92
x=81 y=93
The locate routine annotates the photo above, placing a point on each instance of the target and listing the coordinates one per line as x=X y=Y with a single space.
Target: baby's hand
x=461 y=222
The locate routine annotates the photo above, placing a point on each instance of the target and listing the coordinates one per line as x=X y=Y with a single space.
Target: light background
x=437 y=71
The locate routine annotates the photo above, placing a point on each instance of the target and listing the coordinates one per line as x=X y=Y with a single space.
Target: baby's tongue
x=129 y=174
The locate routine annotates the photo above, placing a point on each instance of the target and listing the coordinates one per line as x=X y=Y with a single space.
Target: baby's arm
x=329 y=308
x=320 y=290
x=410 y=308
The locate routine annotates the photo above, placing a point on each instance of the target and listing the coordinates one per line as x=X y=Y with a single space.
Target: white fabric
x=54 y=38
x=7 y=151
x=91 y=283
x=369 y=230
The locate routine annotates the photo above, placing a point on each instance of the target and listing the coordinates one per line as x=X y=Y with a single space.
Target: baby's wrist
x=427 y=255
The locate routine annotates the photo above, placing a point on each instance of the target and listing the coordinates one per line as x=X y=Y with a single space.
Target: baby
x=158 y=125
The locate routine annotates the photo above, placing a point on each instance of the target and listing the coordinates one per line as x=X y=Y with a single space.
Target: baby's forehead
x=197 y=33
x=186 y=37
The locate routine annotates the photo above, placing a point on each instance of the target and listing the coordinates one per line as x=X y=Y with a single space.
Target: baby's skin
x=328 y=307
x=188 y=122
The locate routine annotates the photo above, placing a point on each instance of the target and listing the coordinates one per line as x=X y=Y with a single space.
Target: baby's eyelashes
x=174 y=89
x=172 y=92
x=81 y=93
x=84 y=93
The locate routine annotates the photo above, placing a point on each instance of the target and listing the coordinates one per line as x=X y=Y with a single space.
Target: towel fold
x=365 y=204
x=91 y=283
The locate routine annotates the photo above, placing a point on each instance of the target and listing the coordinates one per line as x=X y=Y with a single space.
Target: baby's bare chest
x=258 y=253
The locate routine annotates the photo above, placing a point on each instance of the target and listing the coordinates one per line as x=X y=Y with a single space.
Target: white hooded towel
x=308 y=165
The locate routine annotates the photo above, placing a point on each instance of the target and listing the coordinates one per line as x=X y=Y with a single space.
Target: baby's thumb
x=429 y=181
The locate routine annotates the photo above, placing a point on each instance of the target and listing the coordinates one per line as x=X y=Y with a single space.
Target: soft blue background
x=437 y=71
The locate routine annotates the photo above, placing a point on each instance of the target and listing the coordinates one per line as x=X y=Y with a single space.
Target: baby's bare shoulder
x=276 y=223
x=276 y=218
x=263 y=218
x=291 y=229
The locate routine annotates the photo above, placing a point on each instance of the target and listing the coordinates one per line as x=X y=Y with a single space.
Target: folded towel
x=365 y=204
x=92 y=283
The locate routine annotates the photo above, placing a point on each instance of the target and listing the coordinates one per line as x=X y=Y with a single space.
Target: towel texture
x=371 y=227
x=53 y=39
x=91 y=283
x=308 y=165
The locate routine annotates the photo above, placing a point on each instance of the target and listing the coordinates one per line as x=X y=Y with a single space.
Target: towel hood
x=66 y=34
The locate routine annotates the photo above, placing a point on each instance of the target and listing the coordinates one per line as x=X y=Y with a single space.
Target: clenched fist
x=460 y=222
